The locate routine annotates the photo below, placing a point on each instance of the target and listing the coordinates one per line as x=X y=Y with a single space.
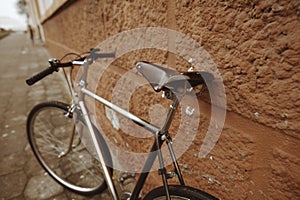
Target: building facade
x=256 y=46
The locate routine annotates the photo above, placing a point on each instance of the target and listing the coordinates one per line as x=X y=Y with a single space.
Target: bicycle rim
x=49 y=132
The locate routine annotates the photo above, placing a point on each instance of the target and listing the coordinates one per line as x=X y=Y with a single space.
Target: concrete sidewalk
x=21 y=177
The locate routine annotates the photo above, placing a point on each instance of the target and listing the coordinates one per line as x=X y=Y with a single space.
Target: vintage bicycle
x=55 y=130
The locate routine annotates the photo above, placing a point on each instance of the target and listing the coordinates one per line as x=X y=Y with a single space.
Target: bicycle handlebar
x=55 y=65
x=32 y=80
x=101 y=55
x=94 y=55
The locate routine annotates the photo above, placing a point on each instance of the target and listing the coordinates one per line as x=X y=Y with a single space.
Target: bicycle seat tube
x=170 y=115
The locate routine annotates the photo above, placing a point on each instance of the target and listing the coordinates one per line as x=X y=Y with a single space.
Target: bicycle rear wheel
x=179 y=192
x=50 y=132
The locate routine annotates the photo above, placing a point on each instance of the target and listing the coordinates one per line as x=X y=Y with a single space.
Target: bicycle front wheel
x=178 y=192
x=58 y=148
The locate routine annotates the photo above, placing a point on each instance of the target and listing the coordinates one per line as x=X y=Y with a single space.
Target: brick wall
x=256 y=46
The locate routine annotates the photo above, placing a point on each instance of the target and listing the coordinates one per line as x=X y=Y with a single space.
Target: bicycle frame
x=161 y=135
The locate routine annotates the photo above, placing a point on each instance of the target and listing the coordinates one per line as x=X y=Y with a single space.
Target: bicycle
x=55 y=130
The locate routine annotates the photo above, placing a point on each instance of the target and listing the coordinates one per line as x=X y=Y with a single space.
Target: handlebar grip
x=32 y=80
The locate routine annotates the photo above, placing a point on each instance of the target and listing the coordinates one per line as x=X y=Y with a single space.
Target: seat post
x=170 y=114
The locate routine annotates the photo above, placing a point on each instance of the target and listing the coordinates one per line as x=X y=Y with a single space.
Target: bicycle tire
x=78 y=171
x=178 y=192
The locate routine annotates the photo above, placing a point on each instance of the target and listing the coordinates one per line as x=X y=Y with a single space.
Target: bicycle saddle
x=162 y=78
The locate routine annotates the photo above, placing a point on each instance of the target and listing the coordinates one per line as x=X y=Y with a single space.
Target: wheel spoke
x=51 y=135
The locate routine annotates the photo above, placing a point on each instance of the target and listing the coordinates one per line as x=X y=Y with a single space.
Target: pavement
x=21 y=177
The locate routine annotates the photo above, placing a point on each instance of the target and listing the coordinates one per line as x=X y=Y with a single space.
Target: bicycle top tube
x=150 y=127
x=160 y=78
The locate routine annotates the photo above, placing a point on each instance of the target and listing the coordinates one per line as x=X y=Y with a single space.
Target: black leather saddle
x=162 y=78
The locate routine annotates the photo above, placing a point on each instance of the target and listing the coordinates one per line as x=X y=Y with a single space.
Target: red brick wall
x=256 y=46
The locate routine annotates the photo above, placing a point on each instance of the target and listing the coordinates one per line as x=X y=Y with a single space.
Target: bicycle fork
x=99 y=151
x=69 y=114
